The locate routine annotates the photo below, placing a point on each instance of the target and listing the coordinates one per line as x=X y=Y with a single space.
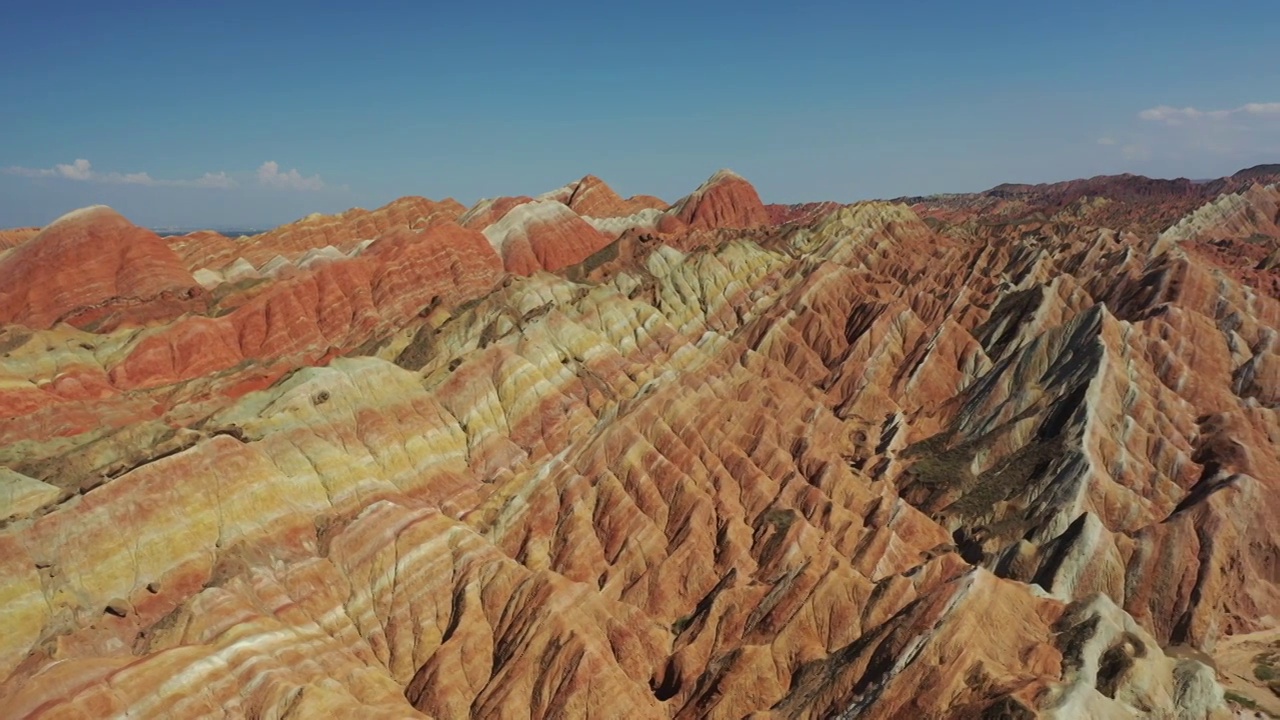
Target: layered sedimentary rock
x=827 y=462
x=726 y=200
x=16 y=236
x=542 y=235
x=591 y=197
x=1121 y=202
x=93 y=267
x=801 y=212
x=1237 y=232
x=342 y=232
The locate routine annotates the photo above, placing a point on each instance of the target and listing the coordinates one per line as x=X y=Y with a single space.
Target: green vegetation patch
x=781 y=518
x=1266 y=668
x=419 y=350
x=682 y=624
x=1007 y=479
x=1247 y=703
x=606 y=254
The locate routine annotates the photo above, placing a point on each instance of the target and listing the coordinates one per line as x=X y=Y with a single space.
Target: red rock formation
x=16 y=236
x=93 y=268
x=646 y=202
x=866 y=464
x=357 y=224
x=726 y=200
x=1123 y=202
x=333 y=308
x=591 y=197
x=342 y=231
x=205 y=248
x=802 y=212
x=1239 y=233
x=489 y=211
x=543 y=234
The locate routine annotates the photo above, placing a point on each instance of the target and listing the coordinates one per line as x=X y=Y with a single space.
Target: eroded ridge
x=857 y=464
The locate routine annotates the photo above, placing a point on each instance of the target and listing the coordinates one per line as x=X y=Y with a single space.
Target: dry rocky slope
x=578 y=456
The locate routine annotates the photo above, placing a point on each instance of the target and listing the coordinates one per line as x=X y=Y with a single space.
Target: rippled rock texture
x=578 y=456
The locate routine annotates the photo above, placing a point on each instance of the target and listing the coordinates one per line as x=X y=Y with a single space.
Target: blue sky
x=255 y=113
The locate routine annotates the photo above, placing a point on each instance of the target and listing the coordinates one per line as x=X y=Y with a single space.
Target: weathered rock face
x=342 y=232
x=93 y=268
x=16 y=236
x=726 y=200
x=489 y=211
x=591 y=197
x=802 y=212
x=855 y=465
x=1238 y=233
x=1121 y=202
x=543 y=235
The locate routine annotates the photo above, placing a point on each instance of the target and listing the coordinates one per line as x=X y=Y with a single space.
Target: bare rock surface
x=713 y=460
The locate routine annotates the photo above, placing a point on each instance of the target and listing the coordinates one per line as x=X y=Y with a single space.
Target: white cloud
x=269 y=175
x=78 y=170
x=1172 y=138
x=82 y=171
x=1176 y=116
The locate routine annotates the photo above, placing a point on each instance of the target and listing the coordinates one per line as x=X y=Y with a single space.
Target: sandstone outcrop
x=16 y=236
x=1239 y=233
x=725 y=200
x=1121 y=202
x=342 y=232
x=801 y=212
x=591 y=197
x=734 y=461
x=489 y=211
x=93 y=268
x=542 y=235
